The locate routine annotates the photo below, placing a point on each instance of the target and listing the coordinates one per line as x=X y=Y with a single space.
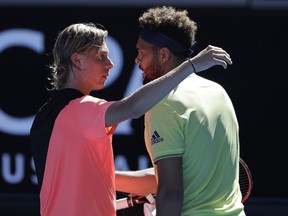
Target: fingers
x=223 y=59
x=220 y=56
x=221 y=62
x=211 y=56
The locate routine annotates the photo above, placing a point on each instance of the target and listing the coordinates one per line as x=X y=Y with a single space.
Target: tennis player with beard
x=192 y=135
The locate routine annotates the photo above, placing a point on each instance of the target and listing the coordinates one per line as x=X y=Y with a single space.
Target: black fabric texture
x=43 y=124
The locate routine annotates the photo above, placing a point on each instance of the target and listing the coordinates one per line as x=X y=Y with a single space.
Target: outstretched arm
x=150 y=94
x=140 y=182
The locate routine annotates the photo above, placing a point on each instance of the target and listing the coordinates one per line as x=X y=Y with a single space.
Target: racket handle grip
x=132 y=201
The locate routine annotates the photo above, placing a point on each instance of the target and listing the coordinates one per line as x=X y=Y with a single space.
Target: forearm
x=140 y=182
x=147 y=96
x=150 y=94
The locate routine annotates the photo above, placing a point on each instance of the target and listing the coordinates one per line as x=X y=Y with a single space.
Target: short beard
x=154 y=72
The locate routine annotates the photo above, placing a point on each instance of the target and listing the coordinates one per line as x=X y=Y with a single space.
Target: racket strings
x=245 y=181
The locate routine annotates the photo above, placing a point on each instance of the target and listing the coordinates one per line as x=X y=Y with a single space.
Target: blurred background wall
x=253 y=32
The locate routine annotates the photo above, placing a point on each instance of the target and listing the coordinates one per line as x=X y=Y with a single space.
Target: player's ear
x=164 y=54
x=76 y=60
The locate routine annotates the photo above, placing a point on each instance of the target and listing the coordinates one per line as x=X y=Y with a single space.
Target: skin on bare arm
x=140 y=182
x=170 y=187
x=150 y=94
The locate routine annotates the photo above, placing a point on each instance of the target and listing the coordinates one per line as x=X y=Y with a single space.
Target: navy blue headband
x=161 y=40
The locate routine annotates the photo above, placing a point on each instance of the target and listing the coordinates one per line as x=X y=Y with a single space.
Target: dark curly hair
x=173 y=23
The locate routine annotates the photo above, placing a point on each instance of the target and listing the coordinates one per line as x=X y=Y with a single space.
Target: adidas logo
x=156 y=138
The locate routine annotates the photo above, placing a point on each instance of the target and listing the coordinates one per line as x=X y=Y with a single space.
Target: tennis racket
x=245 y=181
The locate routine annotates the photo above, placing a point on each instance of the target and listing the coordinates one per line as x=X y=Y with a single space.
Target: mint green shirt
x=197 y=121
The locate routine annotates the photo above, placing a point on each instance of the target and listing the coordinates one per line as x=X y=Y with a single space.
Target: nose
x=137 y=60
x=110 y=64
